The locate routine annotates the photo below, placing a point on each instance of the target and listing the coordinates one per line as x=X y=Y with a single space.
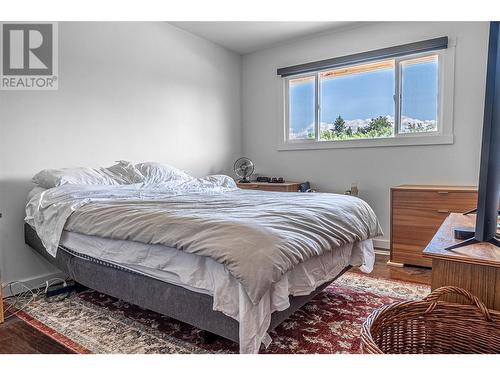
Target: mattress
x=204 y=275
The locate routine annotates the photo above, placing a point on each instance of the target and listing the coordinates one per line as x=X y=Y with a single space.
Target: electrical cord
x=29 y=293
x=24 y=298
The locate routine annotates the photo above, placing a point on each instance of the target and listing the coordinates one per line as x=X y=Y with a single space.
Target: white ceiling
x=246 y=37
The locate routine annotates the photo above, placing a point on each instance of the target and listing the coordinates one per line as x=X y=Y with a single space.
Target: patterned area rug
x=91 y=322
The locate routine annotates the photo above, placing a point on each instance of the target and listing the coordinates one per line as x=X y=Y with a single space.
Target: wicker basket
x=431 y=326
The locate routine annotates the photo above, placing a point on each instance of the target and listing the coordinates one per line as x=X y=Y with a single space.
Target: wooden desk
x=267 y=186
x=475 y=268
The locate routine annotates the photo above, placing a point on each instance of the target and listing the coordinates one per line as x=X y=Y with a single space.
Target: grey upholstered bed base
x=168 y=299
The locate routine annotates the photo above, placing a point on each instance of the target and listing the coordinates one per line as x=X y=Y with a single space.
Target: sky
x=367 y=95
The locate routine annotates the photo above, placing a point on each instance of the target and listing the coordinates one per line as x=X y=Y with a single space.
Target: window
x=302 y=93
x=389 y=98
x=357 y=101
x=419 y=95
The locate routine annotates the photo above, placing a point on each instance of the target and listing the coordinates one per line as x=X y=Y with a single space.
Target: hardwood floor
x=18 y=337
x=411 y=274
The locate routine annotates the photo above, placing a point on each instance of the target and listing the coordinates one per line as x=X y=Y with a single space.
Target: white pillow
x=156 y=173
x=49 y=178
x=124 y=173
x=118 y=174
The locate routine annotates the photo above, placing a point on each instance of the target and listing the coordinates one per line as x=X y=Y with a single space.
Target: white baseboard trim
x=33 y=282
x=381 y=244
x=382 y=252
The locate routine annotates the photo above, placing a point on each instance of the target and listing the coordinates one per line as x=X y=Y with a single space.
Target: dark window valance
x=379 y=54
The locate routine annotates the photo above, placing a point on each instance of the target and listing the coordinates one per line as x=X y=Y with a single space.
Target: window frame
x=443 y=135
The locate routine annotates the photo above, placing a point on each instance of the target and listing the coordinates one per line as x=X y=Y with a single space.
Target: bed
x=231 y=262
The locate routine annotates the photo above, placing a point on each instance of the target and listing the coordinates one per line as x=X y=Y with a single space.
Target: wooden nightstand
x=267 y=186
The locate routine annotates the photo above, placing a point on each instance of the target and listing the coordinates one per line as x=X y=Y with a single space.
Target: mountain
x=428 y=125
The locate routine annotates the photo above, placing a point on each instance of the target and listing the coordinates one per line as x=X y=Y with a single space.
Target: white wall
x=375 y=169
x=133 y=91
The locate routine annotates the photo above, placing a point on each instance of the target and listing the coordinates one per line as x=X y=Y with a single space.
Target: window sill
x=380 y=142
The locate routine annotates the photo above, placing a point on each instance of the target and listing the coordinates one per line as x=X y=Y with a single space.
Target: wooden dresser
x=267 y=186
x=417 y=212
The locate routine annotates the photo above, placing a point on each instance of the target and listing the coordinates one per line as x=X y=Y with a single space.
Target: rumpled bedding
x=257 y=236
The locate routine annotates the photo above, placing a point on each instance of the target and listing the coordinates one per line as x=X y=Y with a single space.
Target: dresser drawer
x=418 y=221
x=411 y=232
x=438 y=200
x=274 y=187
x=269 y=187
x=418 y=218
x=248 y=186
x=409 y=254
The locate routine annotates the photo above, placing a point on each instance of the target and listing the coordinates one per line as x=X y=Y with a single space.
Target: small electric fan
x=243 y=167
